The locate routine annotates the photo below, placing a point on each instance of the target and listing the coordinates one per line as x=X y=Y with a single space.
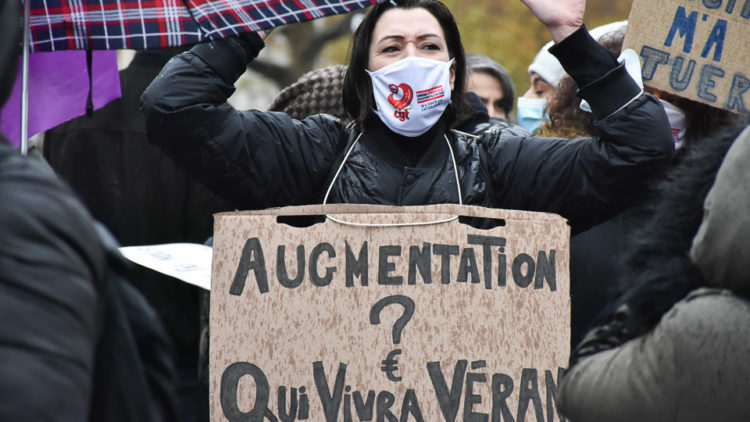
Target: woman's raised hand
x=561 y=17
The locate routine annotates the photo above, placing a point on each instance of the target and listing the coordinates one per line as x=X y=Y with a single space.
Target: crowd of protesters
x=653 y=186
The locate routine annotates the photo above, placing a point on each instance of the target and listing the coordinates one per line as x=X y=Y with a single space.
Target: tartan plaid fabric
x=143 y=24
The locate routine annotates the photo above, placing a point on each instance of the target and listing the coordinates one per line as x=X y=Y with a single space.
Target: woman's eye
x=390 y=49
x=431 y=47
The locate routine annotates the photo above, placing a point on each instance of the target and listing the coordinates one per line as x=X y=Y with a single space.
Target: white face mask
x=531 y=113
x=676 y=122
x=412 y=94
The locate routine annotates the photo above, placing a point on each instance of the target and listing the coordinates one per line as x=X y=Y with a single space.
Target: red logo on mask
x=406 y=96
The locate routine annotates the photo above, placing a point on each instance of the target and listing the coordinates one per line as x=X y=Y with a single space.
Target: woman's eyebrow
x=401 y=37
x=391 y=37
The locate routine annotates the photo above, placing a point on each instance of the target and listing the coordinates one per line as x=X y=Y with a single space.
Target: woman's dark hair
x=658 y=271
x=701 y=120
x=357 y=93
x=676 y=213
x=566 y=119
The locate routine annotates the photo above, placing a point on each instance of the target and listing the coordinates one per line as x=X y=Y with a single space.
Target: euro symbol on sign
x=390 y=365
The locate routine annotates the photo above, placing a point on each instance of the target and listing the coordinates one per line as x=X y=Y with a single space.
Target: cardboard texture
x=697 y=49
x=446 y=322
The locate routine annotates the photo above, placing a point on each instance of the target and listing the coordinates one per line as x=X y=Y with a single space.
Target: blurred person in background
x=139 y=194
x=494 y=86
x=545 y=74
x=564 y=116
x=77 y=341
x=674 y=346
x=489 y=98
x=317 y=91
x=545 y=77
x=596 y=262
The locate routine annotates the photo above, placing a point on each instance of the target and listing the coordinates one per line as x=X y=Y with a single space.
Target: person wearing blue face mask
x=545 y=75
x=404 y=91
x=532 y=113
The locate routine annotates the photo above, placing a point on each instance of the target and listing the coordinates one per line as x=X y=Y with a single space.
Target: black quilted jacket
x=257 y=160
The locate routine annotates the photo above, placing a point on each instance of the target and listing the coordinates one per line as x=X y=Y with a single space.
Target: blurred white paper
x=189 y=262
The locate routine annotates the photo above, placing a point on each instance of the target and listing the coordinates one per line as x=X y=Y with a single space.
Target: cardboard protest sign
x=698 y=49
x=409 y=319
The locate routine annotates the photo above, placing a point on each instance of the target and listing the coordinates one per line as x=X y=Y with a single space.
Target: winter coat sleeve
x=51 y=277
x=250 y=158
x=691 y=367
x=586 y=180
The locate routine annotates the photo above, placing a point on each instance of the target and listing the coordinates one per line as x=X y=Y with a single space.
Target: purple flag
x=59 y=89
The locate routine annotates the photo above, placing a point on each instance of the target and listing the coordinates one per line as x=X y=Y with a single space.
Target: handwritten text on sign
x=695 y=49
x=525 y=269
x=423 y=323
x=294 y=404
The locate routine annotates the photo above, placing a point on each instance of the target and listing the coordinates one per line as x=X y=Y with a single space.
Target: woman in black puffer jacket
x=258 y=160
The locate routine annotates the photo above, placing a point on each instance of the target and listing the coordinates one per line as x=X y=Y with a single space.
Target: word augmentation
x=524 y=268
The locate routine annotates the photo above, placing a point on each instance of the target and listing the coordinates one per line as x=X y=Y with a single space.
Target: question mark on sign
x=404 y=301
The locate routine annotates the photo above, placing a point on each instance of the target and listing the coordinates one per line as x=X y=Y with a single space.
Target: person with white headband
x=404 y=90
x=545 y=75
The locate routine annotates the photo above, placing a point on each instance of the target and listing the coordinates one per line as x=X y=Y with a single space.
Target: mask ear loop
x=416 y=223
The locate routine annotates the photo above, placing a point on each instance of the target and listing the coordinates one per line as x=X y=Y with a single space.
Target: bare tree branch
x=319 y=39
x=282 y=75
x=306 y=44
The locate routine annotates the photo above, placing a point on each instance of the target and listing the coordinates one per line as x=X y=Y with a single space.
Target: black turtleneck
x=400 y=150
x=403 y=160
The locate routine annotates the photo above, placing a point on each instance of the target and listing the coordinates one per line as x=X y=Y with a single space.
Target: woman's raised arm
x=252 y=159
